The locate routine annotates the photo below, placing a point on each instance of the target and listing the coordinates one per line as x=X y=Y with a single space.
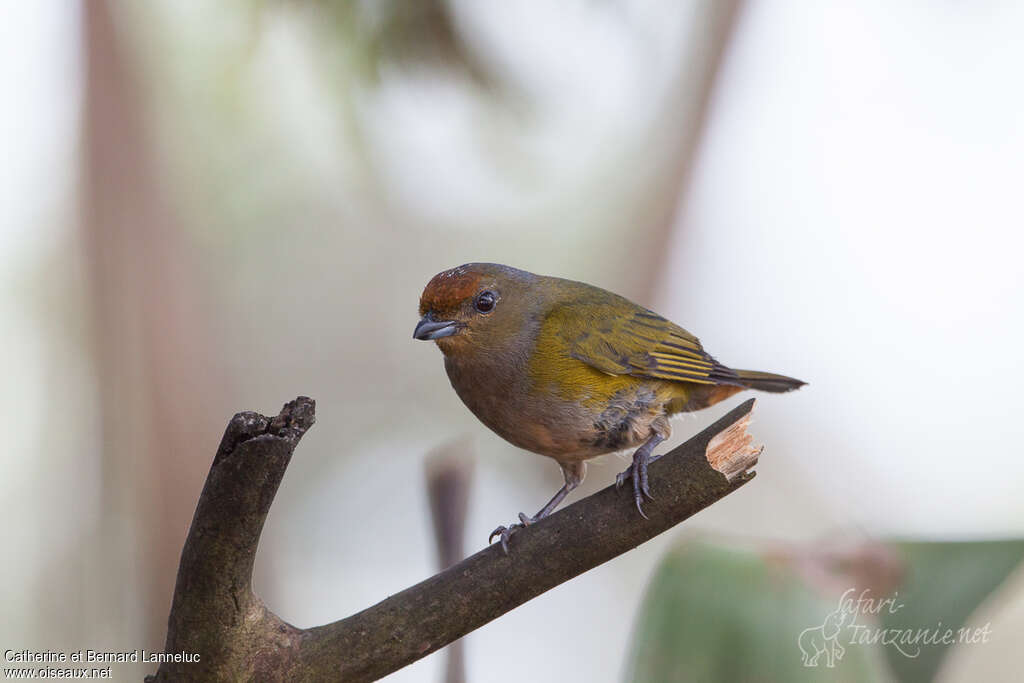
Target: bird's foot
x=637 y=474
x=527 y=521
x=504 y=532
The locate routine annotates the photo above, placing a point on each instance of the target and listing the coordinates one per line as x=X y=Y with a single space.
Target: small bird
x=569 y=370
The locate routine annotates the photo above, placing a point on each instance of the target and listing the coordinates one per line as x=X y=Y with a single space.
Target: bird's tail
x=768 y=381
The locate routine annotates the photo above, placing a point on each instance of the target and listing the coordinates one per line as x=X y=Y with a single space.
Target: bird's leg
x=637 y=472
x=573 y=473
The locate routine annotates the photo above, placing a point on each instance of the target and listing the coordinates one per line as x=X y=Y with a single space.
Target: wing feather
x=638 y=342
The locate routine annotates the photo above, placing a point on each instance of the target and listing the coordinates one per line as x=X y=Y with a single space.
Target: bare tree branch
x=216 y=614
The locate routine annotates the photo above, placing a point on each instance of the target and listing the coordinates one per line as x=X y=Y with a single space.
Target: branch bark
x=216 y=615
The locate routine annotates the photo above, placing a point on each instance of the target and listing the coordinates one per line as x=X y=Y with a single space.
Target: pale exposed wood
x=732 y=451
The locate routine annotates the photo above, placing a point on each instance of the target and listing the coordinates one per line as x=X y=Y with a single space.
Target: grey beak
x=428 y=328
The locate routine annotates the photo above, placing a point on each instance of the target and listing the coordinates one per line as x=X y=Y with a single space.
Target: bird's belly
x=566 y=428
x=573 y=431
x=557 y=429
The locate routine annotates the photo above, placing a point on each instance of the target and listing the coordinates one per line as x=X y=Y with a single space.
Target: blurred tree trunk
x=679 y=133
x=156 y=376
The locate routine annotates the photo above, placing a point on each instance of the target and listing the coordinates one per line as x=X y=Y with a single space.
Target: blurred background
x=214 y=207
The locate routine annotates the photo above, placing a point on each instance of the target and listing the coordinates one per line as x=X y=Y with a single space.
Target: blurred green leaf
x=942 y=585
x=721 y=614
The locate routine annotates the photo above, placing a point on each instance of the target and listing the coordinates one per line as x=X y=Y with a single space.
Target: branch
x=216 y=614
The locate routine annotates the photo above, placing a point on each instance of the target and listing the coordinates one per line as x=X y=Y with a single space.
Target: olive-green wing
x=641 y=343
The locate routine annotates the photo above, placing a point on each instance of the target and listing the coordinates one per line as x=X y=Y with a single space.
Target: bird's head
x=476 y=306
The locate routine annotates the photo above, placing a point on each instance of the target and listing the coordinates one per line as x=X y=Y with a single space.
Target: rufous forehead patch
x=448 y=289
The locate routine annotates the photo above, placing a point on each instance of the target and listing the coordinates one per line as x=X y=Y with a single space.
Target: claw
x=504 y=532
x=637 y=475
x=644 y=484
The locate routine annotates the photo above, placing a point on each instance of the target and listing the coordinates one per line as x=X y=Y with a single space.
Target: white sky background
x=39 y=97
x=594 y=75
x=39 y=92
x=856 y=205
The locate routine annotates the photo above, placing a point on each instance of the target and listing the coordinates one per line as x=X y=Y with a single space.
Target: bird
x=571 y=371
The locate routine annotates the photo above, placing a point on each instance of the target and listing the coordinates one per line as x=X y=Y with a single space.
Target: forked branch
x=216 y=614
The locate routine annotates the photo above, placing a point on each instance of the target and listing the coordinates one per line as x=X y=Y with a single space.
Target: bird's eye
x=485 y=301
